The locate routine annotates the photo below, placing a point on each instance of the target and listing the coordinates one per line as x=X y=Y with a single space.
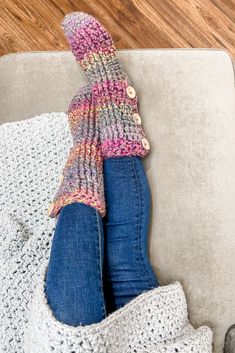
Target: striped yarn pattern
x=93 y=48
x=82 y=175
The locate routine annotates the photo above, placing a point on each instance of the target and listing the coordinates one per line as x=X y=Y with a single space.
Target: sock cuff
x=82 y=176
x=81 y=180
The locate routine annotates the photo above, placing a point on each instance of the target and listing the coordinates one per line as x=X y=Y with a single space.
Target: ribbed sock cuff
x=81 y=180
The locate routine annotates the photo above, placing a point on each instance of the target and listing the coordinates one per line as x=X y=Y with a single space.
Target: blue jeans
x=98 y=265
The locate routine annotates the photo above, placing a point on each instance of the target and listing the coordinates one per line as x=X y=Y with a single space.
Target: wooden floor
x=35 y=24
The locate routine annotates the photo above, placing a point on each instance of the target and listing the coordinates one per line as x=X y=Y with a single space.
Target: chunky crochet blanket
x=33 y=153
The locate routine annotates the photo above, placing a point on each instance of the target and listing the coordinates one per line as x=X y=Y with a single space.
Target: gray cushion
x=187 y=105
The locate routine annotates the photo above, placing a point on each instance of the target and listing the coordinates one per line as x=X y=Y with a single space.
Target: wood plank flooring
x=35 y=24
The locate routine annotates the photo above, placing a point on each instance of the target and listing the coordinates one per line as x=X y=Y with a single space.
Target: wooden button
x=50 y=208
x=61 y=178
x=130 y=91
x=145 y=144
x=137 y=118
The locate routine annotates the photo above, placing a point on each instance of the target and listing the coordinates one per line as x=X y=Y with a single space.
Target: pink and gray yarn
x=82 y=175
x=93 y=48
x=101 y=115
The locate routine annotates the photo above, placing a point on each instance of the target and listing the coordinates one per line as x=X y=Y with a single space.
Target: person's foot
x=120 y=125
x=229 y=341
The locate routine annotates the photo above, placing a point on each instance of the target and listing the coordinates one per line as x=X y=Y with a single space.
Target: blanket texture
x=33 y=153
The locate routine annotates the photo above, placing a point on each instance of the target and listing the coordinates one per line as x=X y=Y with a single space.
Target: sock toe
x=72 y=21
x=86 y=35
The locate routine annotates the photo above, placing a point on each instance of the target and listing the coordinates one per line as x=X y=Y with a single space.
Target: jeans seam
x=140 y=226
x=100 y=264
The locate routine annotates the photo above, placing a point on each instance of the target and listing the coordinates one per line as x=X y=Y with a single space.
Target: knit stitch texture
x=33 y=153
x=82 y=176
x=121 y=131
x=154 y=321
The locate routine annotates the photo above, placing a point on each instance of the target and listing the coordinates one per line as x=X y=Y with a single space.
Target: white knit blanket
x=33 y=153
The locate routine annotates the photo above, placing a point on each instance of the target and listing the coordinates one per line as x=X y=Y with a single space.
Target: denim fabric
x=74 y=276
x=127 y=268
x=98 y=265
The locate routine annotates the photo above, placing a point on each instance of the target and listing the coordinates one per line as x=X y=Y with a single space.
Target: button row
x=136 y=117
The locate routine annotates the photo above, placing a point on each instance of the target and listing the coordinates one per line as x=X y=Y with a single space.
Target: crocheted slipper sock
x=154 y=321
x=82 y=175
x=121 y=131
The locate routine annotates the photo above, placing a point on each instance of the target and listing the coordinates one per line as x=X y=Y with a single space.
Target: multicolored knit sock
x=82 y=176
x=121 y=131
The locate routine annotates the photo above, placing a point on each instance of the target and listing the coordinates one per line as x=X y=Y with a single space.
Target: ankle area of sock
x=120 y=147
x=119 y=92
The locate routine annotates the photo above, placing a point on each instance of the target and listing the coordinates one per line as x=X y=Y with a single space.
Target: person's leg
x=127 y=268
x=74 y=276
x=121 y=134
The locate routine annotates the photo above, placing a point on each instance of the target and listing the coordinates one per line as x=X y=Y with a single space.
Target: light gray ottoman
x=187 y=105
